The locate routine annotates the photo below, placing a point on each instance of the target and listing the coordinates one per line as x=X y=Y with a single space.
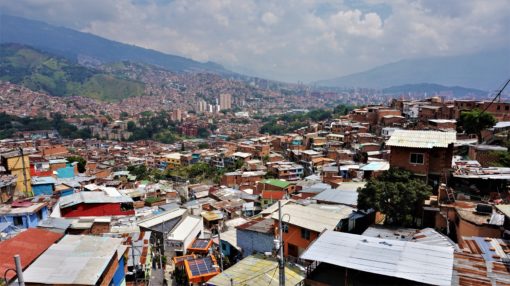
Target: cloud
x=287 y=40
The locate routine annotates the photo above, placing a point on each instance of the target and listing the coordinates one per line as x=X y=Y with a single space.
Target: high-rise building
x=176 y=115
x=225 y=101
x=202 y=106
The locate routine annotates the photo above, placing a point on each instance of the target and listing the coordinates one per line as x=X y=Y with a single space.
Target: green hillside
x=59 y=77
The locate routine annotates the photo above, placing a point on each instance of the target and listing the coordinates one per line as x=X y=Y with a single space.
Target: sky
x=292 y=40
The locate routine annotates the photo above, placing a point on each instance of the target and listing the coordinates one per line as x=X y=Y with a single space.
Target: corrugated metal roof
x=274 y=207
x=427 y=235
x=257 y=270
x=184 y=229
x=160 y=218
x=314 y=217
x=505 y=209
x=28 y=244
x=212 y=215
x=376 y=166
x=76 y=259
x=338 y=197
x=483 y=262
x=92 y=198
x=407 y=260
x=277 y=183
x=421 y=139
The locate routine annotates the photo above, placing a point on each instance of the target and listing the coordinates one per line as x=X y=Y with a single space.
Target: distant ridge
x=432 y=89
x=58 y=76
x=483 y=71
x=74 y=45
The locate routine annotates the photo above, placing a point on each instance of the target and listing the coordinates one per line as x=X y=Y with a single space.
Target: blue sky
x=294 y=40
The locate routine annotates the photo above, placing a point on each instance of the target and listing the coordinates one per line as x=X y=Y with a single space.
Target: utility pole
x=221 y=250
x=19 y=270
x=24 y=171
x=281 y=259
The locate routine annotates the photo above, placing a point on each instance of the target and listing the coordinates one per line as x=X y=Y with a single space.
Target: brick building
x=423 y=153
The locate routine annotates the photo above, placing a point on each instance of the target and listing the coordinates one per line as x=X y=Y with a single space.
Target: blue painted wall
x=29 y=220
x=66 y=192
x=251 y=242
x=42 y=189
x=120 y=274
x=67 y=172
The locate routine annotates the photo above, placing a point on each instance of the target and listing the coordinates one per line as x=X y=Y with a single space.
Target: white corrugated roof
x=92 y=198
x=314 y=217
x=76 y=259
x=183 y=230
x=160 y=218
x=403 y=259
x=421 y=139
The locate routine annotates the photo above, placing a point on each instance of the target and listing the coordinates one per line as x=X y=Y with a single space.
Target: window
x=126 y=207
x=416 y=158
x=285 y=227
x=305 y=233
x=507 y=107
x=17 y=220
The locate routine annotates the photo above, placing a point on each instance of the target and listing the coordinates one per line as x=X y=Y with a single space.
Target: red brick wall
x=435 y=159
x=400 y=157
x=484 y=157
x=440 y=159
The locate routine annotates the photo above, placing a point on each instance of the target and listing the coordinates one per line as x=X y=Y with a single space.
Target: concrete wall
x=251 y=242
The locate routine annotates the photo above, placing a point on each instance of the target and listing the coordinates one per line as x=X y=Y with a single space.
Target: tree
x=202 y=132
x=396 y=194
x=81 y=162
x=475 y=121
x=342 y=109
x=319 y=114
x=124 y=115
x=140 y=171
x=503 y=158
x=203 y=145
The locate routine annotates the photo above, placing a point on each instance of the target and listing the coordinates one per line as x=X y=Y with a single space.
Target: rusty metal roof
x=421 y=139
x=483 y=262
x=29 y=245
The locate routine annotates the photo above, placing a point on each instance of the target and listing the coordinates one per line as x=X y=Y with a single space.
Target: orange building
x=303 y=224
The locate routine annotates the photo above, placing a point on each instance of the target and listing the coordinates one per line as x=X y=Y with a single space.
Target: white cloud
x=287 y=40
x=269 y=18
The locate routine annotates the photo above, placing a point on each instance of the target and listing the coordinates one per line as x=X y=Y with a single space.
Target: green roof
x=277 y=183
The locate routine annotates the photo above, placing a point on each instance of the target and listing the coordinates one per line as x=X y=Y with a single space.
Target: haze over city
x=292 y=41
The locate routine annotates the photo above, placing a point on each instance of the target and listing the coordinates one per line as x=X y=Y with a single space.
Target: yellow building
x=173 y=160
x=18 y=166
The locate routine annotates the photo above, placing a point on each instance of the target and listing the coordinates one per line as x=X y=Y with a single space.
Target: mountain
x=485 y=71
x=76 y=45
x=59 y=76
x=432 y=89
